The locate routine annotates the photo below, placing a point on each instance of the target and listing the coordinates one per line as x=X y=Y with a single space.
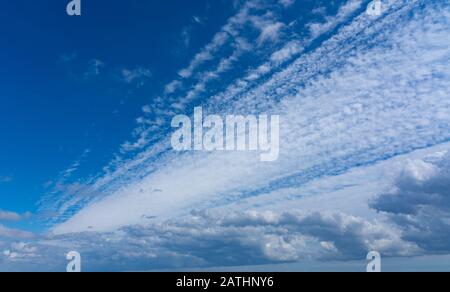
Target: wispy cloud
x=68 y=57
x=218 y=59
x=318 y=28
x=367 y=94
x=138 y=76
x=5 y=179
x=287 y=3
x=269 y=32
x=9 y=216
x=94 y=68
x=356 y=102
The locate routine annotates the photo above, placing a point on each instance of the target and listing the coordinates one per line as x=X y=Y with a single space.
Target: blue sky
x=86 y=105
x=52 y=111
x=54 y=108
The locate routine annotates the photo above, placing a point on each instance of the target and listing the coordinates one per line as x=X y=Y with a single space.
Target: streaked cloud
x=356 y=106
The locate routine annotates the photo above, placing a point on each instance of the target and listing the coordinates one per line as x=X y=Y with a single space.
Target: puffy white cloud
x=420 y=203
x=68 y=57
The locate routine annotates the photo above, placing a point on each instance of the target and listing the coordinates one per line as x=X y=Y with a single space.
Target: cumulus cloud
x=9 y=216
x=208 y=239
x=420 y=203
x=20 y=251
x=68 y=57
x=339 y=235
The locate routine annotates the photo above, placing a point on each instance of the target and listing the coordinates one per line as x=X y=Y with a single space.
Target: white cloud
x=420 y=203
x=14 y=233
x=286 y=3
x=9 y=216
x=287 y=52
x=172 y=86
x=375 y=90
x=146 y=109
x=346 y=10
x=233 y=30
x=270 y=32
x=361 y=112
x=207 y=239
x=13 y=216
x=252 y=15
x=138 y=74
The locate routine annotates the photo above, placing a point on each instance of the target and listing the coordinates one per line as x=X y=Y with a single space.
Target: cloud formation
x=374 y=90
x=9 y=216
x=420 y=203
x=207 y=239
x=138 y=74
x=362 y=111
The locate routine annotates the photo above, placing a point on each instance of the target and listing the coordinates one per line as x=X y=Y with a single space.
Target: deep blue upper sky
x=51 y=113
x=54 y=107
